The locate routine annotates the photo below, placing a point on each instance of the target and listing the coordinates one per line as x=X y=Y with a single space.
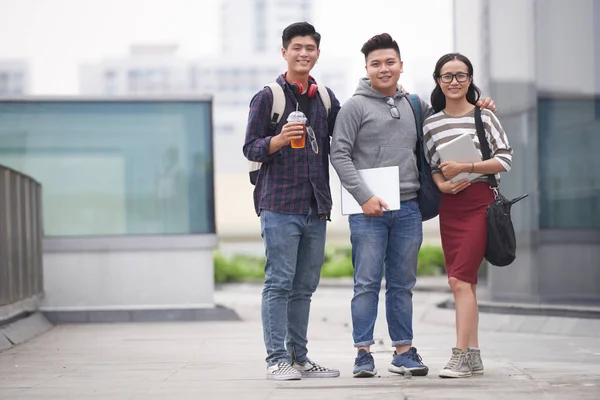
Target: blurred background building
x=250 y=58
x=540 y=61
x=14 y=78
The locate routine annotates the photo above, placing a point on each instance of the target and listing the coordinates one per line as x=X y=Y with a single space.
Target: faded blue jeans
x=389 y=243
x=295 y=249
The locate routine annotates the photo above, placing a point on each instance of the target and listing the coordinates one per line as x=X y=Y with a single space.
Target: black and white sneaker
x=314 y=370
x=283 y=371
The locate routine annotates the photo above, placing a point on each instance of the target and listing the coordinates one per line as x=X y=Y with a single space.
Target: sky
x=56 y=36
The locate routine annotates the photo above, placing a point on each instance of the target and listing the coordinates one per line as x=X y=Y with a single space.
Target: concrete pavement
x=225 y=360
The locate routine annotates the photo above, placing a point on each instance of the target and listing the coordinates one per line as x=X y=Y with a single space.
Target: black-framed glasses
x=313 y=139
x=460 y=77
x=394 y=112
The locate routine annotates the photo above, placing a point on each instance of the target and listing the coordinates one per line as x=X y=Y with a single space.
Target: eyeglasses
x=394 y=112
x=313 y=139
x=460 y=77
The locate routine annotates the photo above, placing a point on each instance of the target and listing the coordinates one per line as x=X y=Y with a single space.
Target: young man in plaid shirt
x=293 y=200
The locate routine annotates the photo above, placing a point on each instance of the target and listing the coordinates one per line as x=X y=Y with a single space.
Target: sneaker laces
x=453 y=362
x=455 y=359
x=363 y=358
x=413 y=355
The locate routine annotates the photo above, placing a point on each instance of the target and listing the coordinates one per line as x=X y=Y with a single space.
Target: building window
x=569 y=166
x=110 y=84
x=115 y=168
x=134 y=80
x=4 y=83
x=260 y=20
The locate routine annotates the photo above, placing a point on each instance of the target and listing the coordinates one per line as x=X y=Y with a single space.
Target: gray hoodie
x=367 y=136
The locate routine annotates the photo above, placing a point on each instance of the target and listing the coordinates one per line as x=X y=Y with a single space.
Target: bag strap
x=484 y=145
x=278 y=106
x=415 y=105
x=324 y=93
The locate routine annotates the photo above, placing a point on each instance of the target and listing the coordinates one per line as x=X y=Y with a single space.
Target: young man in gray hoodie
x=376 y=128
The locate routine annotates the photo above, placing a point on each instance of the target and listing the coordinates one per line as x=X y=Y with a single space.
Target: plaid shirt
x=289 y=179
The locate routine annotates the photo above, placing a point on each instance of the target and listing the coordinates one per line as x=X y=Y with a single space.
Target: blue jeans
x=389 y=243
x=295 y=250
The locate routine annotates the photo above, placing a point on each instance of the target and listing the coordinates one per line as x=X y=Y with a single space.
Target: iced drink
x=299 y=117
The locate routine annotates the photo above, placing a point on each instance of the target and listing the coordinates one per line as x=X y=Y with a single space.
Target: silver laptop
x=460 y=149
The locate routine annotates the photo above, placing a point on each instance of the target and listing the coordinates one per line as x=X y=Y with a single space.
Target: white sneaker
x=283 y=371
x=314 y=370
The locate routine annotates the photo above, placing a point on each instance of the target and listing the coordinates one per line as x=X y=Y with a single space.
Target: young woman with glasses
x=463 y=223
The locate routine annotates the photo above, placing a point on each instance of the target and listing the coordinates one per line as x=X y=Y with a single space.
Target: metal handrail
x=21 y=230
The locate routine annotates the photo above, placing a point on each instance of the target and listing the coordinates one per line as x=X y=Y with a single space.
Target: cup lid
x=297 y=116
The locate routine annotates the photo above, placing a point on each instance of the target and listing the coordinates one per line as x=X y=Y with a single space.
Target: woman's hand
x=451 y=168
x=450 y=187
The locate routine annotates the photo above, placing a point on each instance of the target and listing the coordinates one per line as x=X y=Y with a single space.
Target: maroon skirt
x=463 y=228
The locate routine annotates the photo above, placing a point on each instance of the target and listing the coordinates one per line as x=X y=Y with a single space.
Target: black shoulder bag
x=501 y=244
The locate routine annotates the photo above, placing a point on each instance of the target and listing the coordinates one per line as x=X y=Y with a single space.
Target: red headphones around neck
x=297 y=88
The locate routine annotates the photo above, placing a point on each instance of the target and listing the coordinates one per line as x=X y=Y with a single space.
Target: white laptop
x=460 y=149
x=383 y=182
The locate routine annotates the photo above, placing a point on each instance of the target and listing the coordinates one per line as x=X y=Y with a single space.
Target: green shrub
x=237 y=268
x=431 y=261
x=337 y=264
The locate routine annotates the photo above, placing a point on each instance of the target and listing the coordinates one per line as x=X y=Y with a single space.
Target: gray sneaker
x=458 y=366
x=283 y=371
x=476 y=363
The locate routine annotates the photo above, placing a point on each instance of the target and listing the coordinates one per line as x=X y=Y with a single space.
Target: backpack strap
x=278 y=106
x=324 y=93
x=277 y=111
x=415 y=102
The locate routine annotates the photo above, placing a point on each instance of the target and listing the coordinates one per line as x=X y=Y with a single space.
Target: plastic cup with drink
x=298 y=117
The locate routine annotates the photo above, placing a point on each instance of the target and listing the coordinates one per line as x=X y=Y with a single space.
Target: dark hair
x=299 y=29
x=438 y=99
x=378 y=42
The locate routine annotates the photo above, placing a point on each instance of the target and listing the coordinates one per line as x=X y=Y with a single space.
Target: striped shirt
x=441 y=128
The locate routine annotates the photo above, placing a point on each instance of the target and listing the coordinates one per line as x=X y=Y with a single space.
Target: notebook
x=460 y=149
x=383 y=182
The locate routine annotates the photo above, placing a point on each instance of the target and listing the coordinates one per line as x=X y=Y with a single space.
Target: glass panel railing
x=21 y=273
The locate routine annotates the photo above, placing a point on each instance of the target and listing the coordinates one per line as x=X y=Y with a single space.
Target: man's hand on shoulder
x=486 y=102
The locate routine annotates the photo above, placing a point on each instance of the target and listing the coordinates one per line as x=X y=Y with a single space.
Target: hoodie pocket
x=403 y=157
